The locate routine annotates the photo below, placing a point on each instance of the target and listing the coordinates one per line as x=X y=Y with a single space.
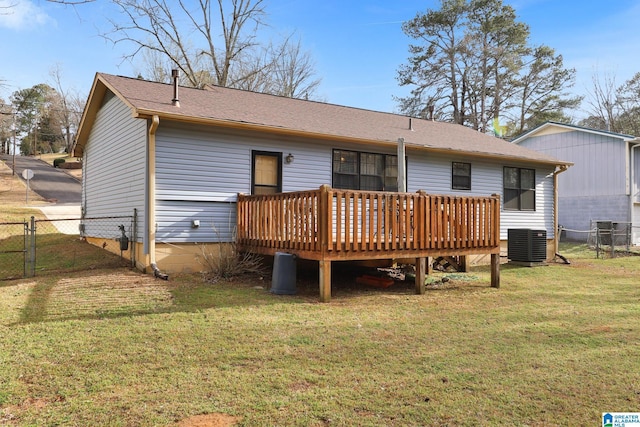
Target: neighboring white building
x=603 y=184
x=179 y=162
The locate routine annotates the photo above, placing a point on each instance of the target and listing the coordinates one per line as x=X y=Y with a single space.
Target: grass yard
x=95 y=344
x=555 y=345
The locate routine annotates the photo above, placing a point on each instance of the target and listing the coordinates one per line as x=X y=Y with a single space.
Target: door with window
x=266 y=172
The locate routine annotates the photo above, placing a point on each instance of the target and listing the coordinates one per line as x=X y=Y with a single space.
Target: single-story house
x=320 y=181
x=604 y=183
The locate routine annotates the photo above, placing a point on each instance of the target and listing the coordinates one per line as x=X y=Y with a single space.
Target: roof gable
x=220 y=106
x=550 y=128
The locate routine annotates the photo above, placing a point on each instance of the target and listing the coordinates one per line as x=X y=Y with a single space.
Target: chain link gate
x=16 y=249
x=19 y=241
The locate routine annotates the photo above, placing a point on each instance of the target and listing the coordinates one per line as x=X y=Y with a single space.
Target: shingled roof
x=220 y=106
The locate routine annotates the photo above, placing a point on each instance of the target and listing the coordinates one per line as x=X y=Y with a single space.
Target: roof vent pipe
x=175 y=74
x=410 y=124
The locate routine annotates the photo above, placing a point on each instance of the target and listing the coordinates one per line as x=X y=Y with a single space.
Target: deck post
x=429 y=261
x=323 y=230
x=495 y=270
x=325 y=280
x=421 y=267
x=464 y=263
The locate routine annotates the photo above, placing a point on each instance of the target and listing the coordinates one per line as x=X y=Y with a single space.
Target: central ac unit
x=527 y=245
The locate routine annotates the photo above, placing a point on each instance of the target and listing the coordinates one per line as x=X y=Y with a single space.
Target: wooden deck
x=330 y=225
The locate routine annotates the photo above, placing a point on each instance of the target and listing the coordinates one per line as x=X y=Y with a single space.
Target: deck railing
x=346 y=224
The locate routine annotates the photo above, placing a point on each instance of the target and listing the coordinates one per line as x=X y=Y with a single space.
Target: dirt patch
x=209 y=420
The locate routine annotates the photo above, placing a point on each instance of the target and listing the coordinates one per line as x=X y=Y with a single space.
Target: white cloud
x=22 y=15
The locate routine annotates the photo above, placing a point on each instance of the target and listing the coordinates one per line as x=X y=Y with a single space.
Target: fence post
x=32 y=249
x=134 y=237
x=25 y=250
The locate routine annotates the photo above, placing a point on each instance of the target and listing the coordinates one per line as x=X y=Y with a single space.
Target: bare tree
x=71 y=2
x=155 y=66
x=603 y=106
x=287 y=71
x=68 y=106
x=293 y=72
x=614 y=108
x=211 y=42
x=628 y=98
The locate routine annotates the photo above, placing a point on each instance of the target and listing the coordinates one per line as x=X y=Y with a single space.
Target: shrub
x=58 y=162
x=224 y=262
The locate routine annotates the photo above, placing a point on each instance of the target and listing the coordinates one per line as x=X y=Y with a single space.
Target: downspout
x=402 y=171
x=632 y=185
x=151 y=197
x=556 y=239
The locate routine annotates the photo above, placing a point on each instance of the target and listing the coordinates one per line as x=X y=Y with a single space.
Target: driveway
x=52 y=184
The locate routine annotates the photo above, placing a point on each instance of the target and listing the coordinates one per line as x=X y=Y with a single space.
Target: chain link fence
x=610 y=237
x=35 y=247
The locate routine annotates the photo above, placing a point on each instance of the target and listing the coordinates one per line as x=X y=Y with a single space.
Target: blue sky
x=357 y=45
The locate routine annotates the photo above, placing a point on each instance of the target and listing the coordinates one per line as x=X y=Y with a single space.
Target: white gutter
x=151 y=197
x=556 y=240
x=633 y=190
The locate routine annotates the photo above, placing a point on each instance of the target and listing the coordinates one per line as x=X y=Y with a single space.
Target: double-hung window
x=356 y=170
x=461 y=176
x=519 y=189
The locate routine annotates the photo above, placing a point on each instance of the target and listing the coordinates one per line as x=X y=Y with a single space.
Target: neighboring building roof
x=551 y=127
x=268 y=113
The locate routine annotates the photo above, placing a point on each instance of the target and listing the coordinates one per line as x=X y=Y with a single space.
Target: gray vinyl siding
x=595 y=187
x=432 y=173
x=200 y=171
x=175 y=221
x=114 y=165
x=599 y=162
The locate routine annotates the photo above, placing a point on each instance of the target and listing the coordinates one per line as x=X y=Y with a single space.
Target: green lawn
x=555 y=345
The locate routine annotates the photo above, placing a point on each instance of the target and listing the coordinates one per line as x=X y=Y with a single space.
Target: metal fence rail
x=25 y=246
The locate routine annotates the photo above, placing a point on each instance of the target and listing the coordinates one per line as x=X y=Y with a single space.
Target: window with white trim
x=460 y=176
x=357 y=170
x=519 y=189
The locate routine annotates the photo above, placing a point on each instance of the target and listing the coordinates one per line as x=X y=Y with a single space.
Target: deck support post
x=429 y=261
x=464 y=263
x=324 y=228
x=325 y=281
x=495 y=270
x=421 y=267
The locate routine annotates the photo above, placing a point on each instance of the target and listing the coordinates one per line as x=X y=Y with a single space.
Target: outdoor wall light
x=289 y=158
x=195 y=223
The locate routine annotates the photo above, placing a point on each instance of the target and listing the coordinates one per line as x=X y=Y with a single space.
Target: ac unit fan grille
x=526 y=245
